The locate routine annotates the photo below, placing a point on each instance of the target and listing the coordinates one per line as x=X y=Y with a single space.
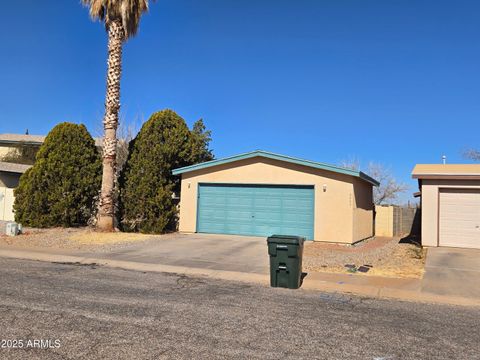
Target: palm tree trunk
x=106 y=209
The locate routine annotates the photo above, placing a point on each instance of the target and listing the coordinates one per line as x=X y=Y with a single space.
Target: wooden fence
x=396 y=220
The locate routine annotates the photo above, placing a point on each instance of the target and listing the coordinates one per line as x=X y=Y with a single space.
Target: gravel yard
x=383 y=257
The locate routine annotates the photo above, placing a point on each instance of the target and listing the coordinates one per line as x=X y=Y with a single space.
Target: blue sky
x=395 y=82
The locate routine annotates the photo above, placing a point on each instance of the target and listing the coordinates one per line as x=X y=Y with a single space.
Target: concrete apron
x=376 y=287
x=452 y=270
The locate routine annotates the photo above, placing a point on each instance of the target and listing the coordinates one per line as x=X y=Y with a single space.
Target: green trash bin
x=286 y=253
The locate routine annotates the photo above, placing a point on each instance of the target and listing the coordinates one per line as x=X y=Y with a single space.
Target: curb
x=137 y=266
x=323 y=285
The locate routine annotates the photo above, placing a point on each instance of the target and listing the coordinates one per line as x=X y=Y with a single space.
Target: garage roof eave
x=289 y=159
x=368 y=178
x=446 y=176
x=446 y=171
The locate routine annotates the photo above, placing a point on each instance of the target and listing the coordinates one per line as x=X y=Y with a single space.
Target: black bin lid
x=285 y=239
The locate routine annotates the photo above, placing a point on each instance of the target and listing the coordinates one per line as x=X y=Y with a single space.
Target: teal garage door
x=258 y=210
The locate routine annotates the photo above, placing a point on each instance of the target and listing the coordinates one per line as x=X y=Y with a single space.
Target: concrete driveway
x=450 y=271
x=206 y=251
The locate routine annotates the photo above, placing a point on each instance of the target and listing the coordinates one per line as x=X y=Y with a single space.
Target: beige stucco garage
x=450 y=199
x=262 y=193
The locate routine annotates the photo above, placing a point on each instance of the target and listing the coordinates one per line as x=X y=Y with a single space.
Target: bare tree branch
x=352 y=163
x=125 y=134
x=472 y=154
x=389 y=188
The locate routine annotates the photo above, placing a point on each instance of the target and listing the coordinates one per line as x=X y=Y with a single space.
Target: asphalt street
x=67 y=311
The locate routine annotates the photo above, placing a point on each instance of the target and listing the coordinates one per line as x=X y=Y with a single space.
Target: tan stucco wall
x=384 y=220
x=4 y=150
x=430 y=196
x=334 y=208
x=362 y=210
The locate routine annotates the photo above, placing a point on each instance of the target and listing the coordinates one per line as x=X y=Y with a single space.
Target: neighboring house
x=11 y=145
x=10 y=142
x=450 y=201
x=10 y=172
x=9 y=178
x=260 y=193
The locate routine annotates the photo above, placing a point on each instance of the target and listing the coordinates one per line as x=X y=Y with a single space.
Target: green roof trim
x=279 y=157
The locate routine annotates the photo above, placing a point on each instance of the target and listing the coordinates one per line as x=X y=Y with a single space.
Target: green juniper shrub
x=200 y=143
x=62 y=186
x=146 y=183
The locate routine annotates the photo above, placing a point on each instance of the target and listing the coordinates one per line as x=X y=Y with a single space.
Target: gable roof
x=16 y=138
x=32 y=139
x=269 y=155
x=451 y=171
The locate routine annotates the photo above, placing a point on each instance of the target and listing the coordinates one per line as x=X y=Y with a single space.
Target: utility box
x=11 y=229
x=286 y=253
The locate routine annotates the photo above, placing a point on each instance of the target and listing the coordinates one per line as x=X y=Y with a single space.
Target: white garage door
x=459 y=222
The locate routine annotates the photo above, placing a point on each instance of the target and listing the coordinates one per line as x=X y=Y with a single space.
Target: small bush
x=147 y=184
x=61 y=187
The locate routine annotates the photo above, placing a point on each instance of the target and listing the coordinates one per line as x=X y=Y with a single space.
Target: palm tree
x=122 y=19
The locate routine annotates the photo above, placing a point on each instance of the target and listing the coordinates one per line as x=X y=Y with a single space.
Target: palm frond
x=128 y=11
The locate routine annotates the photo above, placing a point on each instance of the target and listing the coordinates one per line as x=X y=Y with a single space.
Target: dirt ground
x=379 y=256
x=83 y=238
